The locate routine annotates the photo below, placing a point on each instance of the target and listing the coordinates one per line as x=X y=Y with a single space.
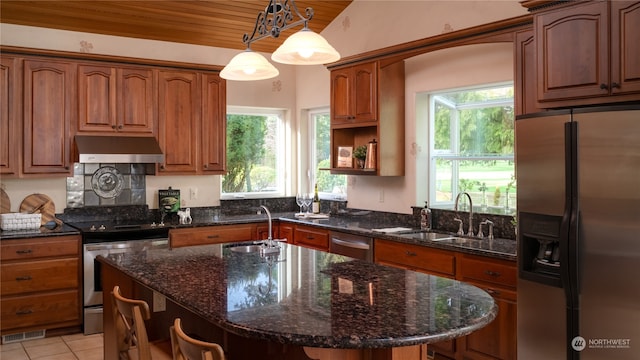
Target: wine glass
x=308 y=200
x=300 y=201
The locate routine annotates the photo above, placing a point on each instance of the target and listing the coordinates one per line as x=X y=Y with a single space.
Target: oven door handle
x=110 y=246
x=351 y=244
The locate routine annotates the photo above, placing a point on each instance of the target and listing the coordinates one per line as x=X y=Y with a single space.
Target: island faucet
x=470 y=233
x=270 y=238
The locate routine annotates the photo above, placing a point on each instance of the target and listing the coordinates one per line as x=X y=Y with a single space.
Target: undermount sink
x=246 y=248
x=427 y=236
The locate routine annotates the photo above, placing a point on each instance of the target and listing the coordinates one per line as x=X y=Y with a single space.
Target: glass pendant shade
x=248 y=66
x=305 y=48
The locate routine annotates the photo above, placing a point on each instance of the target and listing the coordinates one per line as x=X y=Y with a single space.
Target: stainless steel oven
x=92 y=282
x=355 y=246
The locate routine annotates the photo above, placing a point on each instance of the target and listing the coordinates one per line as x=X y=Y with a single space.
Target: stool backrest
x=129 y=316
x=188 y=348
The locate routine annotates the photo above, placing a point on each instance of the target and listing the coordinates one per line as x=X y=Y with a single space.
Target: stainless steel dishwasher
x=355 y=246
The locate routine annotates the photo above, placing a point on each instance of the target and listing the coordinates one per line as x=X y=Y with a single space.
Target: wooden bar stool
x=188 y=348
x=129 y=316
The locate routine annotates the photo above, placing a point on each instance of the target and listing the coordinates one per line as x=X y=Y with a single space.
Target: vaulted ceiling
x=219 y=23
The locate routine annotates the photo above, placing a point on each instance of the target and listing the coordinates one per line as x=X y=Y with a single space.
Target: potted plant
x=360 y=153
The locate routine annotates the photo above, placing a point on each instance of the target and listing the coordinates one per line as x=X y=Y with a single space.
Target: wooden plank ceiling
x=219 y=23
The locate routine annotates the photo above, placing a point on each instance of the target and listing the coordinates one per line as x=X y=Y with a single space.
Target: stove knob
x=92 y=228
x=102 y=227
x=153 y=224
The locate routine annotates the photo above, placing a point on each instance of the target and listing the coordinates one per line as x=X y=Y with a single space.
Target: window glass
x=329 y=186
x=255 y=153
x=472 y=147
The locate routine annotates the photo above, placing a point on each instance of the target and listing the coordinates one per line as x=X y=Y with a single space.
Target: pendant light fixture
x=302 y=48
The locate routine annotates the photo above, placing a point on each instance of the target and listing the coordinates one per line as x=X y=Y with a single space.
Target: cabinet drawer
x=210 y=235
x=40 y=247
x=488 y=271
x=40 y=310
x=415 y=257
x=41 y=275
x=317 y=239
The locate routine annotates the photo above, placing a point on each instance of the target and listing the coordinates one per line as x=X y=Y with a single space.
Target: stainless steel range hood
x=118 y=149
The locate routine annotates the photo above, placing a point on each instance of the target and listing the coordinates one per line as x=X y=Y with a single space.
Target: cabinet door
x=525 y=68
x=567 y=68
x=498 y=339
x=214 y=124
x=96 y=98
x=135 y=101
x=178 y=120
x=354 y=94
x=48 y=112
x=625 y=52
x=10 y=120
x=365 y=97
x=341 y=96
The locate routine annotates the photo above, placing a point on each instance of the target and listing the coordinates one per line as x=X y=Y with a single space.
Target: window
x=255 y=153
x=329 y=186
x=472 y=146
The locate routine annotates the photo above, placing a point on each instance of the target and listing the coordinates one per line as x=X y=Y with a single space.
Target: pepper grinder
x=370 y=161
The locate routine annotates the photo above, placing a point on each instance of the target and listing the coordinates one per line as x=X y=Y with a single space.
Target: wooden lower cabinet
x=211 y=235
x=40 y=287
x=496 y=341
x=311 y=237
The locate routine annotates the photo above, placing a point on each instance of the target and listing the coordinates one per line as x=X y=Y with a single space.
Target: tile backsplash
x=80 y=192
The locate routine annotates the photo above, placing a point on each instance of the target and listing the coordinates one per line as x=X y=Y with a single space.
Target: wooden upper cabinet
x=354 y=94
x=115 y=99
x=587 y=52
x=625 y=52
x=367 y=103
x=214 y=124
x=179 y=120
x=49 y=110
x=10 y=119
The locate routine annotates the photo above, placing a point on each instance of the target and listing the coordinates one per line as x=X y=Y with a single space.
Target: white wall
x=363 y=26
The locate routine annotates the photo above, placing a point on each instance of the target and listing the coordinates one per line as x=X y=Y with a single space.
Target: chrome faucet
x=480 y=233
x=470 y=233
x=270 y=246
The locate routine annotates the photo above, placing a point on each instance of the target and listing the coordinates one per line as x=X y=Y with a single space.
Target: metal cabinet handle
x=615 y=85
x=411 y=253
x=213 y=236
x=492 y=273
x=21 y=252
x=604 y=87
x=492 y=292
x=24 y=312
x=23 y=278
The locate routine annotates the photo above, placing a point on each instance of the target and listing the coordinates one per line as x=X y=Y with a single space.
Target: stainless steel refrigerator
x=578 y=181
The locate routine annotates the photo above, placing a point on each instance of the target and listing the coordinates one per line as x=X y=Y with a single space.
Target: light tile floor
x=69 y=347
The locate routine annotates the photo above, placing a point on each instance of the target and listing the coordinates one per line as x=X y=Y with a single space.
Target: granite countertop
x=61 y=230
x=496 y=248
x=310 y=298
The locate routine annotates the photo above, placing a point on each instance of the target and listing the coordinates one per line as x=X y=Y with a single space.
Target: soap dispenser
x=425 y=217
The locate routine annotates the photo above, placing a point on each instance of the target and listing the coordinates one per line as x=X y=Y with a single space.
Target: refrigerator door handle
x=569 y=245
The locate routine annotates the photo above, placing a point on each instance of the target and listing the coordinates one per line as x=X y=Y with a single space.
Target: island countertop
x=310 y=298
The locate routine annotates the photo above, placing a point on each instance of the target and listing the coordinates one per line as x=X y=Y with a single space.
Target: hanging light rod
x=302 y=48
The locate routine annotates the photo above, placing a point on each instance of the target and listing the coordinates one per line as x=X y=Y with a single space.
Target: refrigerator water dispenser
x=540 y=242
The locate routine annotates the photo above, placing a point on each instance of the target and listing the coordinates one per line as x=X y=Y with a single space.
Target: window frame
x=311 y=150
x=453 y=154
x=282 y=160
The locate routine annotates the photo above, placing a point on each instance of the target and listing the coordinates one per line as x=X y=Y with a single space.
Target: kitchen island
x=295 y=304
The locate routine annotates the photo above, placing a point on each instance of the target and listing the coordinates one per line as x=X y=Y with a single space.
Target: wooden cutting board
x=39 y=203
x=5 y=203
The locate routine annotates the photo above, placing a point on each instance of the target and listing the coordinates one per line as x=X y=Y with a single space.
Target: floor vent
x=29 y=335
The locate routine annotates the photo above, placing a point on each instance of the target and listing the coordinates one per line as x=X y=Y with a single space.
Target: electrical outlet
x=193 y=193
x=381 y=196
x=159 y=302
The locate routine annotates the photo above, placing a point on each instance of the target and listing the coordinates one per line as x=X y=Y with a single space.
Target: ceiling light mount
x=302 y=48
